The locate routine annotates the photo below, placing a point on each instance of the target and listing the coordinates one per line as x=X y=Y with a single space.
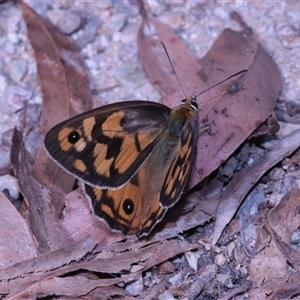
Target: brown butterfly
x=134 y=158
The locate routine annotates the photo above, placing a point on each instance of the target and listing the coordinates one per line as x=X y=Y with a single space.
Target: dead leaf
x=141 y=259
x=64 y=84
x=243 y=181
x=19 y=277
x=40 y=213
x=289 y=287
x=233 y=109
x=88 y=224
x=281 y=221
x=75 y=287
x=266 y=265
x=17 y=243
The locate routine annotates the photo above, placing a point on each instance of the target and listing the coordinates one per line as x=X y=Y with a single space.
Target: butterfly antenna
x=174 y=69
x=211 y=87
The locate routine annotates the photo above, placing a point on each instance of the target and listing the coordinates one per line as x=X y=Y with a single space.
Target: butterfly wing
x=131 y=209
x=181 y=164
x=106 y=146
x=136 y=207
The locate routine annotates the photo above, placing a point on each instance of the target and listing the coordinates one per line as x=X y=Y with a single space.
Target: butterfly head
x=190 y=103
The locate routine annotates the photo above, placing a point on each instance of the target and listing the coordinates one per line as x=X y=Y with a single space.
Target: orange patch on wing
x=80 y=145
x=80 y=165
x=88 y=125
x=102 y=165
x=112 y=124
x=127 y=155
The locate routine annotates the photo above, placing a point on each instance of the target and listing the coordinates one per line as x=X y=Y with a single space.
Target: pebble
x=192 y=259
x=17 y=69
x=220 y=259
x=13 y=37
x=135 y=288
x=69 y=23
x=3 y=84
x=10 y=183
x=15 y=97
x=88 y=33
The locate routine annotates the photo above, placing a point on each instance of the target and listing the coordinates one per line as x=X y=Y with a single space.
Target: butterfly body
x=134 y=158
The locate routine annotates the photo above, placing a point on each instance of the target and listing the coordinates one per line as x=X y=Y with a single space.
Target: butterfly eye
x=194 y=105
x=73 y=137
x=183 y=101
x=128 y=206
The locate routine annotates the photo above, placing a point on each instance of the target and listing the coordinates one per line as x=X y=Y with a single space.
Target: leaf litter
x=62 y=244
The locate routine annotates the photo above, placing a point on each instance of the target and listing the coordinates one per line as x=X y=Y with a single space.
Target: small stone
x=166 y=295
x=55 y=16
x=17 y=69
x=13 y=22
x=293 y=18
x=221 y=13
x=220 y=259
x=230 y=250
x=165 y=268
x=9 y=48
x=135 y=288
x=176 y=279
x=192 y=259
x=13 y=37
x=3 y=84
x=11 y=184
x=276 y=174
x=15 y=96
x=69 y=22
x=295 y=237
x=87 y=34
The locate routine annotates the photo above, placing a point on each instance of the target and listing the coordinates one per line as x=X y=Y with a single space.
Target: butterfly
x=134 y=158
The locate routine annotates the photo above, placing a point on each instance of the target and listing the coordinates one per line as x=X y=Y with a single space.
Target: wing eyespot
x=73 y=137
x=128 y=206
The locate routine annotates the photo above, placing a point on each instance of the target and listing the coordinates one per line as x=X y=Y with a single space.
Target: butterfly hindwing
x=106 y=146
x=120 y=209
x=180 y=167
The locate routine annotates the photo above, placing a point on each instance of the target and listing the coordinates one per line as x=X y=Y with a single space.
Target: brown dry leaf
x=17 y=243
x=64 y=85
x=139 y=259
x=284 y=218
x=20 y=277
x=292 y=255
x=75 y=287
x=274 y=239
x=40 y=213
x=287 y=288
x=88 y=224
x=41 y=274
x=156 y=64
x=273 y=244
x=233 y=109
x=266 y=265
x=243 y=181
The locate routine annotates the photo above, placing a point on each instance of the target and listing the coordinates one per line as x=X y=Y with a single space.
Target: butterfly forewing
x=106 y=146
